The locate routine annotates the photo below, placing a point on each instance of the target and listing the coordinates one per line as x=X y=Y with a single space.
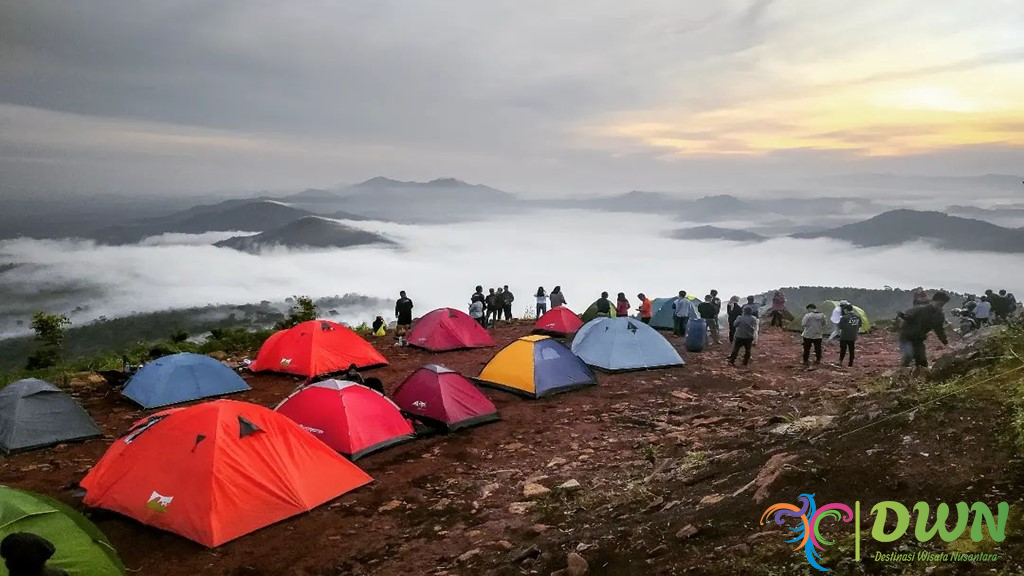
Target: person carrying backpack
x=849 y=328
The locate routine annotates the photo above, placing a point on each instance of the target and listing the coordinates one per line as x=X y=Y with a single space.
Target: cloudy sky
x=580 y=96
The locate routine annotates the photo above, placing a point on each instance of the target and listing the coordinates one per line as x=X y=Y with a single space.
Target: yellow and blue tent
x=536 y=366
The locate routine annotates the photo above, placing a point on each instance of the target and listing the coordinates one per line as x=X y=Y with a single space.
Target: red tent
x=350 y=418
x=216 y=471
x=315 y=348
x=559 y=321
x=448 y=329
x=441 y=396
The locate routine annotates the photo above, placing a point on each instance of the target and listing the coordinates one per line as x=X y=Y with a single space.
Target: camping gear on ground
x=315 y=348
x=536 y=366
x=623 y=344
x=448 y=329
x=696 y=335
x=82 y=550
x=559 y=321
x=182 y=378
x=443 y=398
x=216 y=471
x=36 y=414
x=349 y=418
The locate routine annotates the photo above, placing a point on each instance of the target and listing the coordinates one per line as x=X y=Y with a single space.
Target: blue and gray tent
x=623 y=344
x=35 y=414
x=181 y=378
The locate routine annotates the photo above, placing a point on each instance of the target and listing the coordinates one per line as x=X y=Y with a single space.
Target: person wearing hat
x=916 y=324
x=814 y=331
x=25 y=554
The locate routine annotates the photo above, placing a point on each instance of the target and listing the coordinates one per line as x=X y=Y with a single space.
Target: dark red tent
x=441 y=396
x=448 y=329
x=559 y=321
x=348 y=417
x=315 y=348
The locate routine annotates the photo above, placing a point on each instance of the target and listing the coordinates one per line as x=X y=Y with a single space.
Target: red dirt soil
x=444 y=504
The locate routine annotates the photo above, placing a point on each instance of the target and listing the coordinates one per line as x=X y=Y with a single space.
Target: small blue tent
x=623 y=344
x=181 y=378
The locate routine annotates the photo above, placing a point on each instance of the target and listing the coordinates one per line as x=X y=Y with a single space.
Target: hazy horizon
x=583 y=251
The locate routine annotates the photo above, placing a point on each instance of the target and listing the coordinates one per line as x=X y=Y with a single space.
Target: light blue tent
x=181 y=378
x=623 y=344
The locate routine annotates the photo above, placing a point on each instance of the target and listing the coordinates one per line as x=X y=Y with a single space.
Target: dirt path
x=652 y=452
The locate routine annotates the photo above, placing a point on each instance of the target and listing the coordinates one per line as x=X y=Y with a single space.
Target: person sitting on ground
x=557 y=298
x=353 y=375
x=745 y=328
x=814 y=331
x=683 y=310
x=733 y=311
x=706 y=310
x=403 y=312
x=506 y=303
x=916 y=324
x=983 y=311
x=778 y=307
x=604 y=306
x=542 y=301
x=849 y=328
x=621 y=305
x=378 y=327
x=969 y=306
x=26 y=554
x=644 y=309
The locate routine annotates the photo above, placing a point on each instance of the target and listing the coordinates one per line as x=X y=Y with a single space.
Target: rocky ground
x=660 y=472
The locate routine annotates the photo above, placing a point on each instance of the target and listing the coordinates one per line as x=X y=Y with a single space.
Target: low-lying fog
x=584 y=252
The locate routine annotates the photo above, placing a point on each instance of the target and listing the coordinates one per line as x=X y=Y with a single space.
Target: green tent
x=82 y=550
x=591 y=312
x=826 y=308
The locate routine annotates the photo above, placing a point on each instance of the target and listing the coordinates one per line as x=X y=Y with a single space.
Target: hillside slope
x=307 y=232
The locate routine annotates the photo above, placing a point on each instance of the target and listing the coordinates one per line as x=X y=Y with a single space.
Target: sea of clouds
x=439 y=265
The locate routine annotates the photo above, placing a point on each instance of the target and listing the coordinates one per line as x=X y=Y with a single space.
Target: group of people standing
x=491 y=307
x=990 y=308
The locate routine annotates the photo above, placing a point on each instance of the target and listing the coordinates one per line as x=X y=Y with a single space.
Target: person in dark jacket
x=746 y=327
x=916 y=324
x=849 y=329
x=353 y=375
x=403 y=311
x=25 y=554
x=604 y=305
x=706 y=310
x=491 y=302
x=556 y=297
x=506 y=303
x=717 y=302
x=478 y=296
x=733 y=311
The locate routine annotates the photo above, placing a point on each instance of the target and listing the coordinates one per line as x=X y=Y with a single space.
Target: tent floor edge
x=476 y=421
x=381 y=446
x=23 y=449
x=638 y=369
x=504 y=388
x=162 y=406
x=564 y=389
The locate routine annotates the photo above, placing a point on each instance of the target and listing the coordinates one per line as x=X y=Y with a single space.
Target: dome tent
x=536 y=366
x=623 y=344
x=448 y=329
x=662 y=312
x=181 y=378
x=442 y=397
x=36 y=414
x=315 y=348
x=82 y=550
x=559 y=321
x=350 y=418
x=216 y=471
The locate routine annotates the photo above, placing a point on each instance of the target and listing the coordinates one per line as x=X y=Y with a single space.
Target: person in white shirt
x=983 y=311
x=542 y=301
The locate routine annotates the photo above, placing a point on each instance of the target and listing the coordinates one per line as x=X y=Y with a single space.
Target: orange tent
x=216 y=471
x=315 y=348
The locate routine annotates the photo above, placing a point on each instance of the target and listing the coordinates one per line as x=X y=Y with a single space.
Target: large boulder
x=967 y=354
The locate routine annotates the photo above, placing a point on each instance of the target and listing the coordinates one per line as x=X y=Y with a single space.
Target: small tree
x=51 y=330
x=303 y=311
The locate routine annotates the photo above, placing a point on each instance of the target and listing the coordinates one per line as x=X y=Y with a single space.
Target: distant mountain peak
x=449 y=182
